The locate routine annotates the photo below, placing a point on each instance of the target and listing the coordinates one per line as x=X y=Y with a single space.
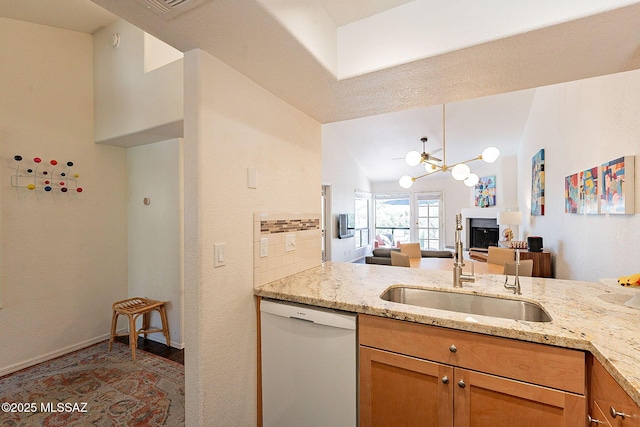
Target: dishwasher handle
x=326 y=317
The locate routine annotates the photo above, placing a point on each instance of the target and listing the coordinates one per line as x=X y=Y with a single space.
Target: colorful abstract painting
x=571 y=193
x=617 y=189
x=589 y=203
x=537 y=184
x=485 y=194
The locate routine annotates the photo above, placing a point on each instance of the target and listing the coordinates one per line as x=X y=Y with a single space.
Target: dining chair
x=524 y=269
x=499 y=256
x=411 y=249
x=399 y=259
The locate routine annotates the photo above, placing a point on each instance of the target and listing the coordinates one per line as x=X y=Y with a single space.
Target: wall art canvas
x=589 y=202
x=571 y=193
x=617 y=186
x=537 y=184
x=485 y=193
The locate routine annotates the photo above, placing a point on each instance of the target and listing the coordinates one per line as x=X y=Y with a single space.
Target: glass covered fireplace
x=483 y=232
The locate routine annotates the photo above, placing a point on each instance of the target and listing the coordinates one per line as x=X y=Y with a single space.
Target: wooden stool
x=134 y=308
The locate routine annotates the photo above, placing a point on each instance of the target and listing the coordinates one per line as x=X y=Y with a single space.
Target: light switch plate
x=252 y=178
x=264 y=247
x=219 y=254
x=290 y=244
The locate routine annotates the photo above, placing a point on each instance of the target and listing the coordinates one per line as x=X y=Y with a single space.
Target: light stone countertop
x=586 y=315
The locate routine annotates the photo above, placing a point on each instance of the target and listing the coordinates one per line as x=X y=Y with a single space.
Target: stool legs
x=133 y=336
x=165 y=324
x=114 y=322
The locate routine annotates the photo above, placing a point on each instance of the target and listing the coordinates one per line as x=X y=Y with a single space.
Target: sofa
x=382 y=256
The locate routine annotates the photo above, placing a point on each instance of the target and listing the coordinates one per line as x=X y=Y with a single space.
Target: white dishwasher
x=309 y=366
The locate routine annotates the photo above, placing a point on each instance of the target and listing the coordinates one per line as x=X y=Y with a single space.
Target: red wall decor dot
x=54 y=162
x=37 y=159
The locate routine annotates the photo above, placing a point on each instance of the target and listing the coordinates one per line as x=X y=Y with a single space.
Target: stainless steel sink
x=467 y=303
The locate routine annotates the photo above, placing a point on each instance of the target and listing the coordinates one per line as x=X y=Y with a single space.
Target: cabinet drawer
x=541 y=364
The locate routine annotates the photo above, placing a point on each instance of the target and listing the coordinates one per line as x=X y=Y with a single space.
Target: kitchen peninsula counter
x=586 y=316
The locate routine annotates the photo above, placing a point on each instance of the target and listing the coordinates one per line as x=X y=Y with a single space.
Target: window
x=429 y=219
x=392 y=219
x=409 y=218
x=361 y=220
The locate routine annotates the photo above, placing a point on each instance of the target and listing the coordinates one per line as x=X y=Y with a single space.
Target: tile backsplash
x=279 y=262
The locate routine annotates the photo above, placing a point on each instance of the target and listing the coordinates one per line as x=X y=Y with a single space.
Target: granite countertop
x=586 y=316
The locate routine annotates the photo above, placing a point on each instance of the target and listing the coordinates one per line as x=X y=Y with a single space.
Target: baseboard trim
x=52 y=355
x=160 y=340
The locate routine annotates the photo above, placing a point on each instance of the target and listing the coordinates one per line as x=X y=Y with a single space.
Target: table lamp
x=509 y=218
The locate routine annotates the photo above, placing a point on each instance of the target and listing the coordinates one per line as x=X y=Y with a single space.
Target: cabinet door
x=483 y=400
x=607 y=394
x=403 y=391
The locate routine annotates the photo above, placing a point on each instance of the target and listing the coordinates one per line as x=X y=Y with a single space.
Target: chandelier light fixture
x=459 y=171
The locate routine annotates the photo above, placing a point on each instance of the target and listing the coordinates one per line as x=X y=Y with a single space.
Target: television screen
x=343 y=227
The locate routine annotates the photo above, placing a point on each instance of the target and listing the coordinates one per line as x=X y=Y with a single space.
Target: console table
x=541 y=262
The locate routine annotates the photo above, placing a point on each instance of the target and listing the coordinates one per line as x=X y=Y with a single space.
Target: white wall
x=580 y=125
x=340 y=170
x=128 y=100
x=231 y=124
x=64 y=255
x=155 y=231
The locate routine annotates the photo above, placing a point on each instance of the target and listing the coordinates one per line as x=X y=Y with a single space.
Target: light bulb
x=406 y=181
x=460 y=172
x=472 y=180
x=413 y=158
x=490 y=154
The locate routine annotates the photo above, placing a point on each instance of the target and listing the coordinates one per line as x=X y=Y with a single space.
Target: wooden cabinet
x=607 y=398
x=419 y=375
x=402 y=391
x=541 y=263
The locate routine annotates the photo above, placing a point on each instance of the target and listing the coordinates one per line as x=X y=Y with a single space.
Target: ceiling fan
x=414 y=158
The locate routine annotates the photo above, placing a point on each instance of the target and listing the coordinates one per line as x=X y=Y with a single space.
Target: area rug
x=95 y=387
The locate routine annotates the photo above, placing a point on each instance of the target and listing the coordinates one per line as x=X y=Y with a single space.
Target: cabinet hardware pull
x=615 y=413
x=593 y=420
x=461 y=384
x=445 y=380
x=453 y=348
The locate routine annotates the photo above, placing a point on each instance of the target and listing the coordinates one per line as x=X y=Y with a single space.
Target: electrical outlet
x=290 y=244
x=264 y=247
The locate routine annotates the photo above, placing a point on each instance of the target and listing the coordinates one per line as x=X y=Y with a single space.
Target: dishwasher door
x=309 y=360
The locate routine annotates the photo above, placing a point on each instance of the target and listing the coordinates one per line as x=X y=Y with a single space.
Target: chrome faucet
x=516 y=284
x=458 y=263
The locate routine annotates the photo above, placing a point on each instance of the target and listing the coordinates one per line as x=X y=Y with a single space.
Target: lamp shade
x=490 y=154
x=509 y=218
x=406 y=181
x=471 y=180
x=460 y=172
x=413 y=158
